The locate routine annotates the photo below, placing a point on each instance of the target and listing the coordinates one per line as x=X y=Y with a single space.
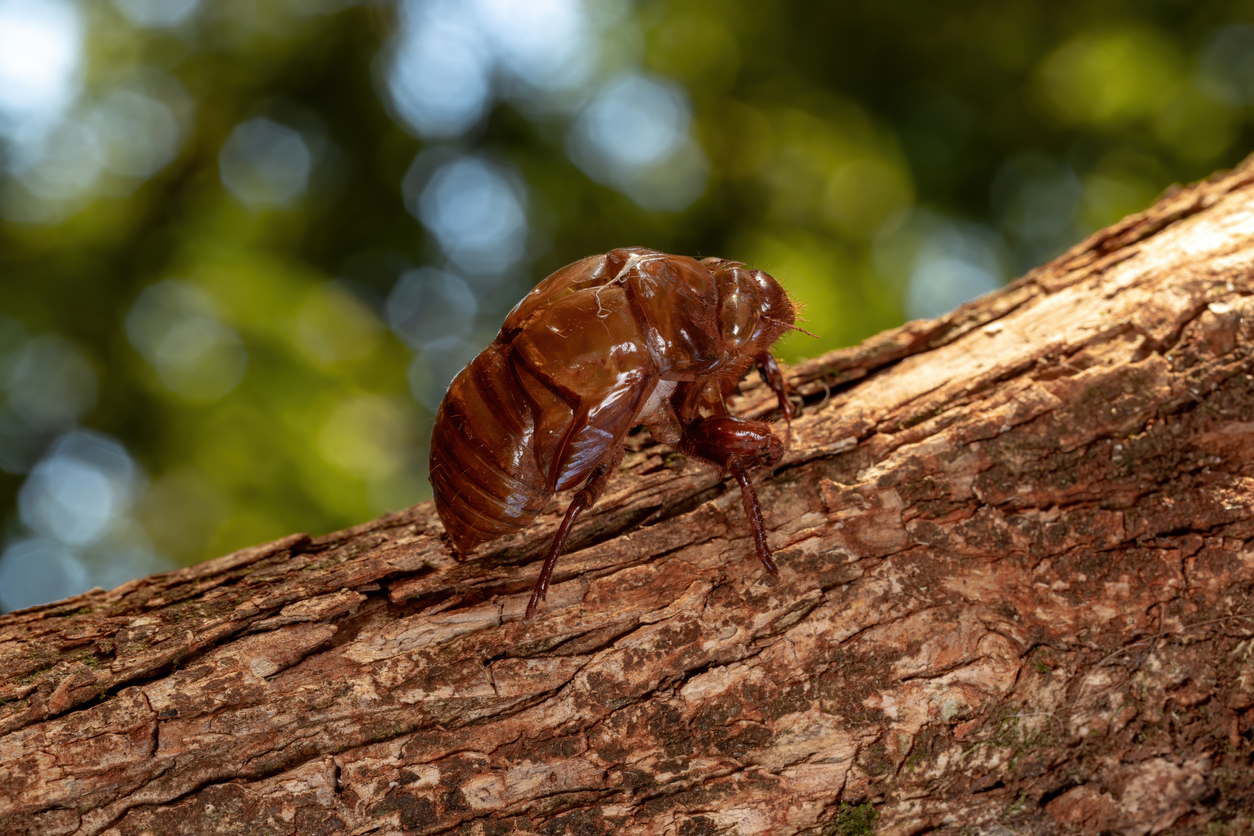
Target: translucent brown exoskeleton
x=601 y=346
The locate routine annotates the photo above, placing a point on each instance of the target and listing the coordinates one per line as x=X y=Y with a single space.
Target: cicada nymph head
x=753 y=312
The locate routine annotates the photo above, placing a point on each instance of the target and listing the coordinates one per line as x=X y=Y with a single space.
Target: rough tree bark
x=1017 y=557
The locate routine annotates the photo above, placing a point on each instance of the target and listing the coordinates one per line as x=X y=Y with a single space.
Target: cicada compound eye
x=773 y=304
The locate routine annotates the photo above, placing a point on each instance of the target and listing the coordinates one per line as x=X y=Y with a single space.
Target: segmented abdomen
x=484 y=471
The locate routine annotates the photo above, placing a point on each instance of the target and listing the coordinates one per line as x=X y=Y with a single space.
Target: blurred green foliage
x=847 y=148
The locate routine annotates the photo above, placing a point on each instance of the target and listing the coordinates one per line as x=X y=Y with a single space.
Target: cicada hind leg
x=583 y=500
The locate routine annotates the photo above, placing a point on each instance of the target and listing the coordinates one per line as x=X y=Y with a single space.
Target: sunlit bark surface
x=1017 y=556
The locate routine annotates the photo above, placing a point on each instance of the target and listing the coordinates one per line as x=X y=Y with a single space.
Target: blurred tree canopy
x=245 y=244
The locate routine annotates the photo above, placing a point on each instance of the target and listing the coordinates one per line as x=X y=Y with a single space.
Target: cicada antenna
x=790 y=326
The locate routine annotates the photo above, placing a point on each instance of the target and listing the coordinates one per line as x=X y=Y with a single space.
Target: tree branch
x=1016 y=575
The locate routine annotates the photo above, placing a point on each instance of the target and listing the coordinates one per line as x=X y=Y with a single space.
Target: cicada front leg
x=736 y=446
